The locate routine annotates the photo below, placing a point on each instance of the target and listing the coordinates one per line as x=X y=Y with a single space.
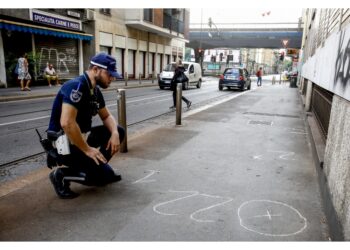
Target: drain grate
x=260 y=123
x=268 y=114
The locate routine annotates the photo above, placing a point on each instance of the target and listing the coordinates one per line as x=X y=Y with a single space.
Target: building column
x=3 y=81
x=36 y=70
x=81 y=61
x=308 y=96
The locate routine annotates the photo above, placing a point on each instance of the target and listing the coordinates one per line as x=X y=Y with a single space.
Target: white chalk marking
x=143 y=180
x=193 y=193
x=210 y=207
x=284 y=154
x=267 y=234
x=257 y=157
x=267 y=215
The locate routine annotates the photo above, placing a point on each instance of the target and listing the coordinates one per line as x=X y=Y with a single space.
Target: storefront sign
x=73 y=13
x=54 y=21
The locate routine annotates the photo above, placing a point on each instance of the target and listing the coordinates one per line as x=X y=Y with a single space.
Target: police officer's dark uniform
x=78 y=167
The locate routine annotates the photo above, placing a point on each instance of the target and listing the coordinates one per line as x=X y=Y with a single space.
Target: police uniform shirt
x=78 y=93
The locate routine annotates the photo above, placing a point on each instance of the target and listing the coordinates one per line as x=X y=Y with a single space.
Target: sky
x=245 y=15
x=230 y=4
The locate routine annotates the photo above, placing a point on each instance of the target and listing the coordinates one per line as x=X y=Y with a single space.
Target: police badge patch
x=75 y=95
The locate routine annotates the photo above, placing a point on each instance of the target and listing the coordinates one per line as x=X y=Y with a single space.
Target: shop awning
x=39 y=30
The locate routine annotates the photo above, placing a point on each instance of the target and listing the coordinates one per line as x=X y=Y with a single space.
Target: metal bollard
x=178 y=103
x=280 y=78
x=126 y=78
x=122 y=118
x=273 y=80
x=140 y=75
x=153 y=74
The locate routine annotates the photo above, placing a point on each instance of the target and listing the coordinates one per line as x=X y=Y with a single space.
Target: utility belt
x=61 y=142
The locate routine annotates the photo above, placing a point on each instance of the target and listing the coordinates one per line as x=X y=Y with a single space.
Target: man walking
x=259 y=75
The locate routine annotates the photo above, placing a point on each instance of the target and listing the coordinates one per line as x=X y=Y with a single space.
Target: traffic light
x=282 y=56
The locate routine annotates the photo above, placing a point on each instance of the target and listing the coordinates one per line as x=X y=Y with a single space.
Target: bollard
x=140 y=78
x=153 y=77
x=126 y=78
x=122 y=118
x=273 y=80
x=280 y=78
x=178 y=103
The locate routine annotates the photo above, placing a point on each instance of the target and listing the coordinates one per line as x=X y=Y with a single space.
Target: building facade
x=325 y=88
x=142 y=40
x=54 y=36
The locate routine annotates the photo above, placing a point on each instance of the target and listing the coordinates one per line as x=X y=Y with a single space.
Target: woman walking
x=23 y=73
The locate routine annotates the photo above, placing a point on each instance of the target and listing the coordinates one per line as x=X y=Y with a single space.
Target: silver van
x=193 y=72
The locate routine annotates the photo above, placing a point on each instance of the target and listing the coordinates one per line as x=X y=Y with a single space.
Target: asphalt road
x=19 y=119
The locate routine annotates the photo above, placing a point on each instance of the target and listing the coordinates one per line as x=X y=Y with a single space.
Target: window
x=105 y=11
x=232 y=71
x=148 y=15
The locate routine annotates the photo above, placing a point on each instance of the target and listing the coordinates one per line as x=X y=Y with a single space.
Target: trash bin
x=293 y=82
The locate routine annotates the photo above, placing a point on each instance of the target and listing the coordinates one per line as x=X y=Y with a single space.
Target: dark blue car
x=235 y=78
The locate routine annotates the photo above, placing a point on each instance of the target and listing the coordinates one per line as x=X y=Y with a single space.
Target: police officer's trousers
x=84 y=168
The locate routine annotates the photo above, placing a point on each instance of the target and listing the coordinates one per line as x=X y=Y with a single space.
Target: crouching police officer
x=84 y=151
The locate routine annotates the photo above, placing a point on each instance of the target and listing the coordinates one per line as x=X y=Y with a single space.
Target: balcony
x=173 y=24
x=145 y=19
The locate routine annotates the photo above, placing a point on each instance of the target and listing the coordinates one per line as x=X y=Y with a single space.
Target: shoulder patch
x=75 y=95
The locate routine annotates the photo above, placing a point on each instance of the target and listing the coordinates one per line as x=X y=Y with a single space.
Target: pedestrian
x=179 y=77
x=83 y=150
x=23 y=72
x=50 y=74
x=259 y=75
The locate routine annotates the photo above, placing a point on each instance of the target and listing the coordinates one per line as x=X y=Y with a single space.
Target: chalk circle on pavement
x=271 y=218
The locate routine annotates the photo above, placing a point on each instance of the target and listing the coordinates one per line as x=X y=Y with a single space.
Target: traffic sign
x=285 y=42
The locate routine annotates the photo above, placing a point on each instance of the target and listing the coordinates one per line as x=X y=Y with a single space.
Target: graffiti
x=63 y=61
x=342 y=65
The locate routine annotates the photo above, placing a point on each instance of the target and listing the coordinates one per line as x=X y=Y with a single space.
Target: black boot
x=61 y=186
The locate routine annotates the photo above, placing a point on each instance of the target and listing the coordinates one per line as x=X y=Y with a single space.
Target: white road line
x=26 y=120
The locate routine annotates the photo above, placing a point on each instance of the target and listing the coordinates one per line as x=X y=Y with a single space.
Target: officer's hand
x=113 y=143
x=96 y=155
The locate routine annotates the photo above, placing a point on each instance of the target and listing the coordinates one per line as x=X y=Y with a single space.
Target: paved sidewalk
x=239 y=170
x=14 y=93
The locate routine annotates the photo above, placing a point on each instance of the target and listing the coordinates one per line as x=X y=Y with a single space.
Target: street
x=19 y=119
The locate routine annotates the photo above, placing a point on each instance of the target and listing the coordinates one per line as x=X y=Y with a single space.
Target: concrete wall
x=18 y=13
x=329 y=68
x=337 y=161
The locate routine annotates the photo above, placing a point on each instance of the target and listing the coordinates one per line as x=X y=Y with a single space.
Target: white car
x=193 y=72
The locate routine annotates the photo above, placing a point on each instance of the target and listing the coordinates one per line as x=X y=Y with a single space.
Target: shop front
x=60 y=45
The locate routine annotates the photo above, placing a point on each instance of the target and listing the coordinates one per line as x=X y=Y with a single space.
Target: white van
x=193 y=72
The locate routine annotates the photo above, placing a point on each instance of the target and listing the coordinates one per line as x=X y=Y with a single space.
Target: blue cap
x=107 y=62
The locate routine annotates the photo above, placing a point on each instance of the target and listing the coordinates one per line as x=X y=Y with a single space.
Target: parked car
x=193 y=72
x=235 y=78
